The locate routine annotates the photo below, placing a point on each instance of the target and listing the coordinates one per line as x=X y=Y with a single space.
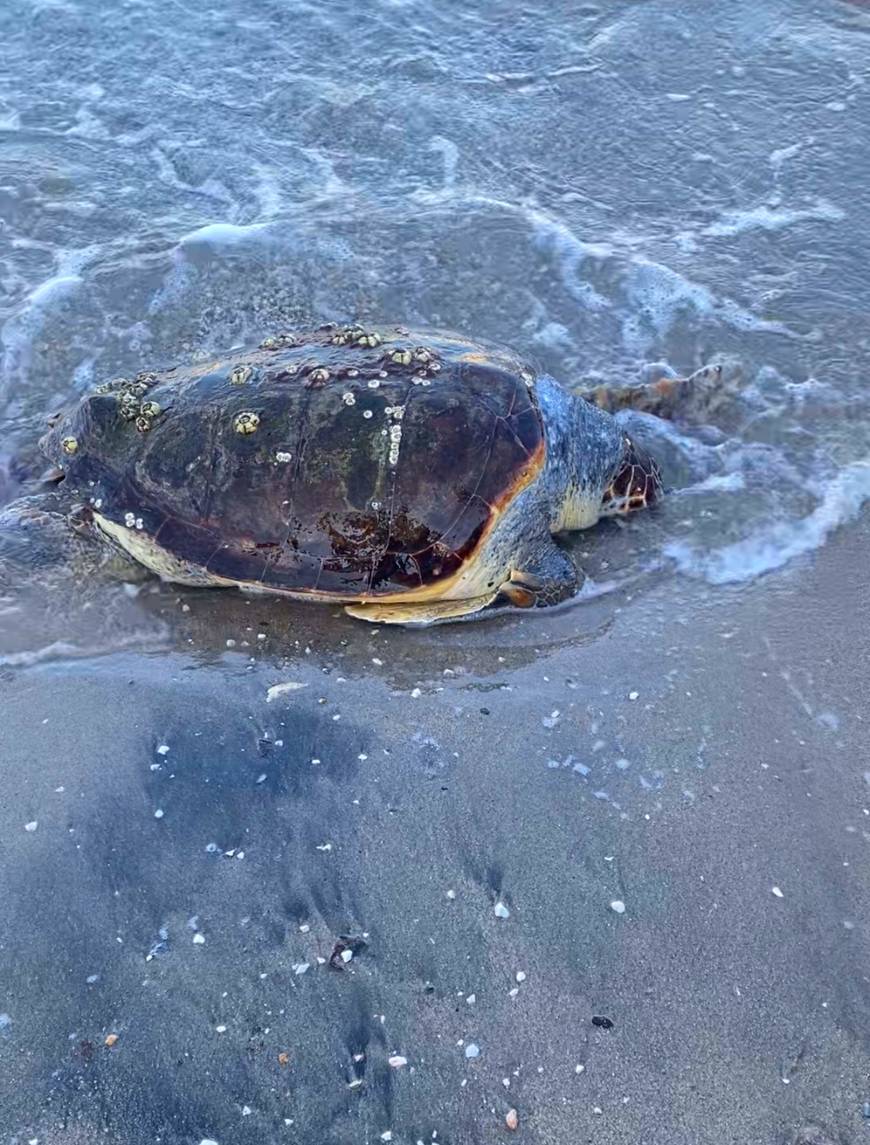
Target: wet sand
x=190 y=900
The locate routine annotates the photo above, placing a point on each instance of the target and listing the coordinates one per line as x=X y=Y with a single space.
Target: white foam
x=782 y=154
x=773 y=547
x=719 y=483
x=450 y=157
x=21 y=328
x=767 y=218
x=555 y=237
x=268 y=191
x=221 y=234
x=658 y=294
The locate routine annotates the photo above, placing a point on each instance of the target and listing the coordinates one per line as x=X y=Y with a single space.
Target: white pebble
x=521 y=976
x=199 y=939
x=281 y=689
x=158 y=814
x=32 y=825
x=618 y=906
x=397 y=1061
x=300 y=967
x=163 y=749
x=221 y=1029
x=777 y=892
x=633 y=695
x=346 y=955
x=471 y=999
x=472 y=1051
x=579 y=1068
x=451 y=894
x=501 y=911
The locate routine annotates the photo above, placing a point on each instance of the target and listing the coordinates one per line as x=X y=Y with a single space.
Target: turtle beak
x=636 y=485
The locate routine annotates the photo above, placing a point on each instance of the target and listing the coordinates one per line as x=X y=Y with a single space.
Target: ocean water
x=608 y=188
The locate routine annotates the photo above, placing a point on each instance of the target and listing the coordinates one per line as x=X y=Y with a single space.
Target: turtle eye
x=636 y=485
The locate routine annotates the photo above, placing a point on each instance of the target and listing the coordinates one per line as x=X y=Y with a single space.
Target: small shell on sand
x=512 y=1119
x=280 y=689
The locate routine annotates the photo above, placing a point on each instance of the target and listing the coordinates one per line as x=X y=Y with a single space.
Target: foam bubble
x=767 y=218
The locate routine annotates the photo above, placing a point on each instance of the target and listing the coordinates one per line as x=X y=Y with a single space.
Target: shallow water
x=614 y=189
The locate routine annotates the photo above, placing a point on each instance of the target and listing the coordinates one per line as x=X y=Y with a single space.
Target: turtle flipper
x=548 y=576
x=419 y=612
x=664 y=397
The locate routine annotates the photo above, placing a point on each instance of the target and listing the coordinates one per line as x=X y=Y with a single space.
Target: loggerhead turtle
x=413 y=477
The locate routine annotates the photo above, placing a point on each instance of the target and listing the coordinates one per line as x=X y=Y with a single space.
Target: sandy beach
x=613 y=881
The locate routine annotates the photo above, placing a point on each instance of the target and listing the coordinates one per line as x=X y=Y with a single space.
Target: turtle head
x=636 y=484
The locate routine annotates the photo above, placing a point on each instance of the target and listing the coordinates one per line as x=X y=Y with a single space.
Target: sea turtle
x=414 y=477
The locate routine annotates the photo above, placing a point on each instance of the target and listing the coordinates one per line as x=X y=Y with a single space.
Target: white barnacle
x=395 y=441
x=348 y=398
x=398 y=412
x=376 y=505
x=367 y=413
x=139 y=523
x=373 y=384
x=283 y=456
x=129 y=520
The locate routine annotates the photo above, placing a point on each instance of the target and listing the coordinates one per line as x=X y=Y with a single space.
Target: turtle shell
x=344 y=462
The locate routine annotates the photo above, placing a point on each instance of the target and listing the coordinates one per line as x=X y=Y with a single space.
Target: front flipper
x=419 y=612
x=547 y=576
